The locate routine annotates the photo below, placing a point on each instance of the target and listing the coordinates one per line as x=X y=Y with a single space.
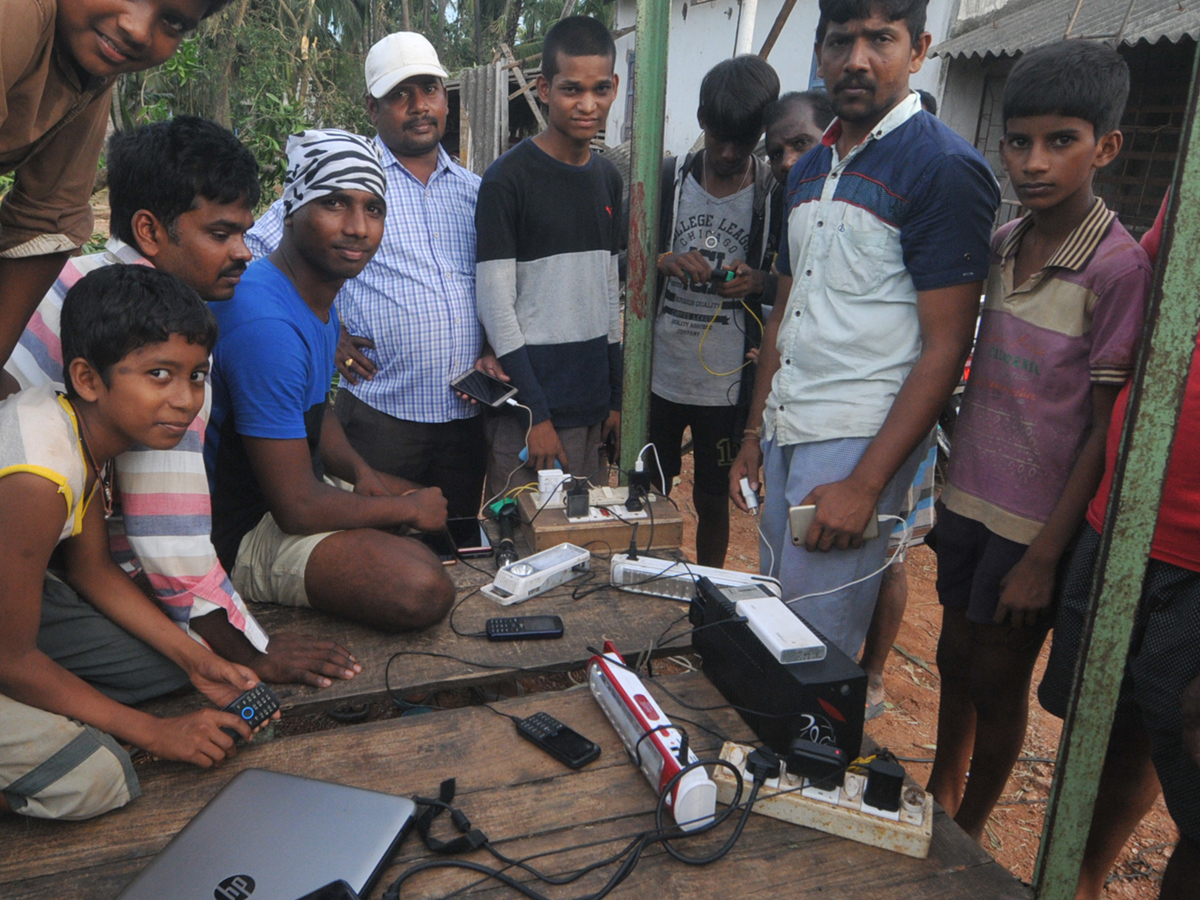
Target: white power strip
x=677 y=580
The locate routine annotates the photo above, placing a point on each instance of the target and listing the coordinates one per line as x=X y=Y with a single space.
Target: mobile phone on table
x=482 y=387
x=469 y=537
x=801 y=518
x=566 y=745
x=524 y=628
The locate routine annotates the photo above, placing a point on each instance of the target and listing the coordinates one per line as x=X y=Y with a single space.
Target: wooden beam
x=1155 y=399
x=777 y=28
x=506 y=51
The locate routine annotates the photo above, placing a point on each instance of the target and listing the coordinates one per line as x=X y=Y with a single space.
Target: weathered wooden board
x=549 y=527
x=632 y=621
x=524 y=800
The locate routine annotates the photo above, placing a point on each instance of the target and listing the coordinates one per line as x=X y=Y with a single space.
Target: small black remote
x=524 y=628
x=254 y=707
x=565 y=744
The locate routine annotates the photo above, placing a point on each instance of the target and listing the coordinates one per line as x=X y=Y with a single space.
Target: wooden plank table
x=525 y=801
x=631 y=621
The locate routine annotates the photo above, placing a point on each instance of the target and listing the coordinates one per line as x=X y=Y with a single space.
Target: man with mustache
x=284 y=533
x=882 y=260
x=409 y=323
x=182 y=194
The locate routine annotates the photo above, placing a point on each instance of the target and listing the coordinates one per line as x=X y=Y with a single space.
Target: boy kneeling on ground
x=136 y=344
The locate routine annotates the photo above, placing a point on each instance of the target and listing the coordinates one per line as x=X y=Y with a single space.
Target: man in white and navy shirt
x=882 y=259
x=409 y=323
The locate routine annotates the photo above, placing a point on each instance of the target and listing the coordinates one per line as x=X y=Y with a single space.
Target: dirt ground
x=909 y=726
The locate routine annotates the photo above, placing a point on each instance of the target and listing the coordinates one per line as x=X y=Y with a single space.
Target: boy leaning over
x=59 y=60
x=137 y=344
x=1060 y=325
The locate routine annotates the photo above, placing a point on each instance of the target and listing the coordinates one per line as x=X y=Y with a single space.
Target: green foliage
x=271 y=68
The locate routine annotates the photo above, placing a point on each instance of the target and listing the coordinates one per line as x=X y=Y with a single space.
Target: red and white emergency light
x=650 y=739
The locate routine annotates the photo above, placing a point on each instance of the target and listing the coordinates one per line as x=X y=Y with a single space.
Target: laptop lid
x=270 y=836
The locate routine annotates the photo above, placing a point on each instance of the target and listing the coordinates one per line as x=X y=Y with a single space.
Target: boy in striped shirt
x=182 y=194
x=1059 y=330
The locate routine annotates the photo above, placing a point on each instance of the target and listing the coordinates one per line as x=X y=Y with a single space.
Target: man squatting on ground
x=284 y=534
x=408 y=319
x=549 y=227
x=136 y=343
x=181 y=194
x=883 y=256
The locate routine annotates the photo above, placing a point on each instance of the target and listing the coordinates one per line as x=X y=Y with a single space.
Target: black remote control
x=254 y=707
x=566 y=745
x=524 y=628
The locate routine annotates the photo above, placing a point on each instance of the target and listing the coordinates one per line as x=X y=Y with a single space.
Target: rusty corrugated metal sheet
x=483 y=93
x=1021 y=26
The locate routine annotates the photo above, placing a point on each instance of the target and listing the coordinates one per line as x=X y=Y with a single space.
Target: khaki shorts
x=270 y=564
x=52 y=767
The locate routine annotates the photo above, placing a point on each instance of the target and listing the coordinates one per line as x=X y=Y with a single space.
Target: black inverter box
x=820 y=700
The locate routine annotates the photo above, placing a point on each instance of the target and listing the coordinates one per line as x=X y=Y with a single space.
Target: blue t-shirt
x=271 y=371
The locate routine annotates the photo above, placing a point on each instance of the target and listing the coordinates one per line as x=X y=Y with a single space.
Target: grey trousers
x=506 y=440
x=88 y=644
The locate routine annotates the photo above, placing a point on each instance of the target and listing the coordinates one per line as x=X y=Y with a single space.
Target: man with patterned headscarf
x=283 y=533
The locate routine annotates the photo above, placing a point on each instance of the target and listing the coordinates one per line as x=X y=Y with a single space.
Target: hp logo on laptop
x=235 y=887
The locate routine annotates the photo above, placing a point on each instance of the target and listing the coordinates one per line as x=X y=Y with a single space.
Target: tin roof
x=1025 y=24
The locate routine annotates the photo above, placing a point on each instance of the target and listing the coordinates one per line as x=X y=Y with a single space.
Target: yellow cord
x=704 y=337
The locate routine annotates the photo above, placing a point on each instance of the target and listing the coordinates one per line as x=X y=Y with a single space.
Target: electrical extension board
x=840 y=811
x=598 y=496
x=670 y=578
x=537 y=574
x=653 y=743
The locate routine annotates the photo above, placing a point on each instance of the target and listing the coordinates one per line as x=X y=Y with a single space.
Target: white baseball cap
x=397 y=57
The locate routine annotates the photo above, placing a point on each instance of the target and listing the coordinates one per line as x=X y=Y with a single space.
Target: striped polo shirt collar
x=1079 y=246
x=899 y=114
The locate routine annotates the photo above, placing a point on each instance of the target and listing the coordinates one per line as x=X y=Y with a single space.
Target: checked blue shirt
x=416 y=298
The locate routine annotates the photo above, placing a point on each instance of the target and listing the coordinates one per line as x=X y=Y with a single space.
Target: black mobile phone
x=483 y=387
x=253 y=707
x=524 y=628
x=722 y=275
x=469 y=537
x=566 y=745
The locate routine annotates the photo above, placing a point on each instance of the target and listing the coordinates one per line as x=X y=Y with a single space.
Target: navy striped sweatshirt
x=548 y=235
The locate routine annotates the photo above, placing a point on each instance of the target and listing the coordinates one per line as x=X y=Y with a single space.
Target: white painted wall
x=705 y=35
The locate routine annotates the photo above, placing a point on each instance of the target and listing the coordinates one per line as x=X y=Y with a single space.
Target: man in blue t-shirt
x=284 y=534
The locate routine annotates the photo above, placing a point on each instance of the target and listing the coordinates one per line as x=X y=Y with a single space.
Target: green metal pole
x=1154 y=403
x=646 y=153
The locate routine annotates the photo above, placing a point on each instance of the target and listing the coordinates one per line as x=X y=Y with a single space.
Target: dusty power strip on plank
x=839 y=812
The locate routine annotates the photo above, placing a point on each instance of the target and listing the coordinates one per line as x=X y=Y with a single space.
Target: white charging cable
x=903 y=540
x=638 y=466
x=520 y=465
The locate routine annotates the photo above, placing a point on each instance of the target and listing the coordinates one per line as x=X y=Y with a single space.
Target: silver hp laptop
x=268 y=836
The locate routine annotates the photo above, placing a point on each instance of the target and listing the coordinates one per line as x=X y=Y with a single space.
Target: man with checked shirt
x=408 y=320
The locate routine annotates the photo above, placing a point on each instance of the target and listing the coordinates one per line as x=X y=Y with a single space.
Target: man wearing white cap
x=283 y=534
x=409 y=319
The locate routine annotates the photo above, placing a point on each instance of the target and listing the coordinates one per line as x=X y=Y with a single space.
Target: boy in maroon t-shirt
x=1160 y=693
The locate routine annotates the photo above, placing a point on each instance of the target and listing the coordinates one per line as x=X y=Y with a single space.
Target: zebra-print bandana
x=322 y=162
